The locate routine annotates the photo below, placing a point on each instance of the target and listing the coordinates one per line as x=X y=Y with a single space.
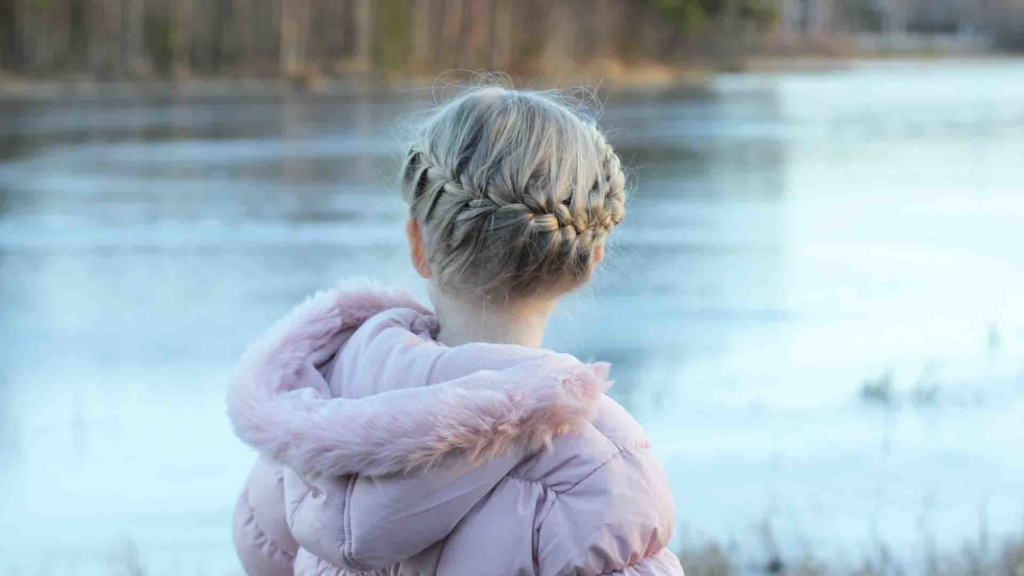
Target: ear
x=416 y=248
x=598 y=253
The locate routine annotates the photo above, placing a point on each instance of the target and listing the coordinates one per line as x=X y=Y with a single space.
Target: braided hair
x=513 y=192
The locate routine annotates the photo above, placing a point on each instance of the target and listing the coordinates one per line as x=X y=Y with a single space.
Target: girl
x=396 y=440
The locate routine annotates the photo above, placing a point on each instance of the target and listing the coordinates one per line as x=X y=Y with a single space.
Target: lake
x=815 y=305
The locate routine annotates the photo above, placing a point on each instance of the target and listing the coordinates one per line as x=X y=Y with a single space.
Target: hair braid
x=514 y=192
x=610 y=188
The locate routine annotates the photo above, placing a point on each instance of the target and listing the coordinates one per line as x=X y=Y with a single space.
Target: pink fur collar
x=469 y=420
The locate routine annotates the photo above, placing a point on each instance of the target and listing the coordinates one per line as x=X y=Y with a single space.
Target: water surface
x=790 y=238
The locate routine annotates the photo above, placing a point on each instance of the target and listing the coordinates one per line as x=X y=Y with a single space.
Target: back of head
x=513 y=192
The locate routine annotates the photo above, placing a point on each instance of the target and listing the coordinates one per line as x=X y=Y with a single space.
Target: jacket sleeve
x=262 y=540
x=617 y=519
x=371 y=522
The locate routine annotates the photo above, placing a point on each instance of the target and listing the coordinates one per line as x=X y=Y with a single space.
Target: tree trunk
x=453 y=33
x=364 y=35
x=294 y=34
x=501 y=44
x=74 y=58
x=130 y=59
x=181 y=20
x=559 y=53
x=8 y=36
x=478 y=33
x=420 y=57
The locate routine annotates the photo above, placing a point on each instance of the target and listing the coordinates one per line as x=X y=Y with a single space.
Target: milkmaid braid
x=513 y=191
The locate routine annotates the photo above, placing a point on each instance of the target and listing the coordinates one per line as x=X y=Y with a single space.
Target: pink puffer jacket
x=384 y=452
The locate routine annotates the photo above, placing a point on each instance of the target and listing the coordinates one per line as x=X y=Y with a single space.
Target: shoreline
x=613 y=76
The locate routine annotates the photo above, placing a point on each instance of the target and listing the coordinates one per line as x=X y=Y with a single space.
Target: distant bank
x=644 y=77
x=317 y=44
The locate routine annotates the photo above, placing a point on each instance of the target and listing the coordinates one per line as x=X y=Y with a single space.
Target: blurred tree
x=178 y=36
x=421 y=46
x=501 y=38
x=560 y=50
x=688 y=15
x=10 y=58
x=391 y=35
x=363 y=27
x=691 y=15
x=75 y=57
x=294 y=22
x=863 y=15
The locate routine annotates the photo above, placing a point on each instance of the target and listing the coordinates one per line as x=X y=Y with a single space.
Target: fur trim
x=468 y=420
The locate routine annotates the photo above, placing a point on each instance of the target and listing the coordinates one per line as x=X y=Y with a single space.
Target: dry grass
x=707 y=560
x=713 y=559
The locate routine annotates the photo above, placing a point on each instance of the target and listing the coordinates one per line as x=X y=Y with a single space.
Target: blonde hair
x=513 y=190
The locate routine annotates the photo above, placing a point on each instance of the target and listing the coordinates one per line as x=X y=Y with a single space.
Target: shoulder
x=611 y=437
x=608 y=503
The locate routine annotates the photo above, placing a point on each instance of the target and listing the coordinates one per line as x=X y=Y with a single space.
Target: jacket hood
x=278 y=402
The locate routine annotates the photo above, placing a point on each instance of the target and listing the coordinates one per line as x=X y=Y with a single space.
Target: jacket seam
x=433 y=363
x=346 y=515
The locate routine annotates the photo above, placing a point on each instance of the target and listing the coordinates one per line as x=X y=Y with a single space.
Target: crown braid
x=513 y=191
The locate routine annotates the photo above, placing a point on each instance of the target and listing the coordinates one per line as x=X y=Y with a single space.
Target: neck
x=465 y=321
